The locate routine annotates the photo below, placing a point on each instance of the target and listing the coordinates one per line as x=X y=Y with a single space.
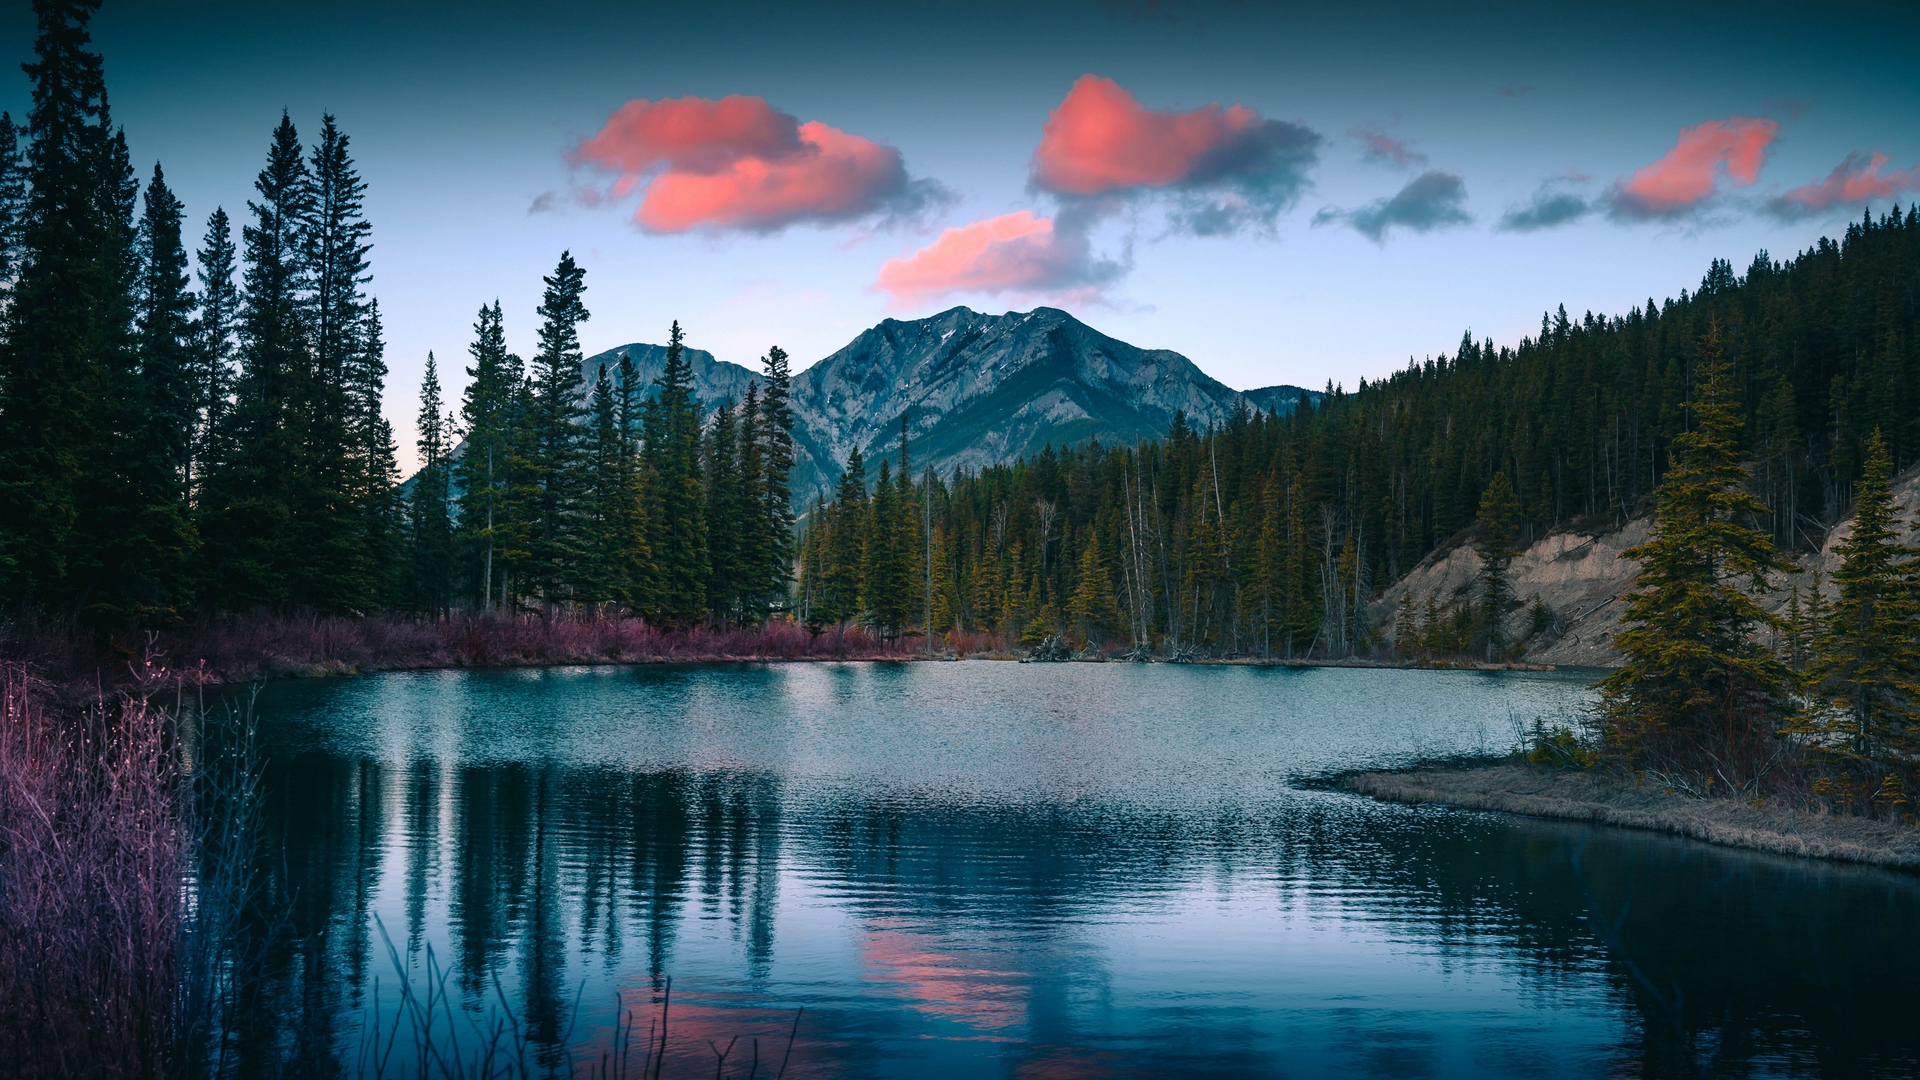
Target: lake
x=990 y=869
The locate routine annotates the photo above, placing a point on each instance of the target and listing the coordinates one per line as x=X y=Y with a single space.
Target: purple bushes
x=90 y=860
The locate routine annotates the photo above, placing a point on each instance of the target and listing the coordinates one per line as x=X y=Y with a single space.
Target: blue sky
x=468 y=121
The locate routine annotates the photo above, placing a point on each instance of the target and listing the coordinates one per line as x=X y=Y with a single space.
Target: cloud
x=1017 y=252
x=1227 y=165
x=1690 y=173
x=1550 y=206
x=1516 y=90
x=739 y=163
x=1383 y=149
x=1432 y=200
x=1852 y=182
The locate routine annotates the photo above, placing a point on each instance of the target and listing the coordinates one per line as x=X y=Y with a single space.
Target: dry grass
x=1585 y=795
x=90 y=860
x=253 y=647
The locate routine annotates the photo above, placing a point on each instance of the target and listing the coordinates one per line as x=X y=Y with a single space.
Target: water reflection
x=994 y=874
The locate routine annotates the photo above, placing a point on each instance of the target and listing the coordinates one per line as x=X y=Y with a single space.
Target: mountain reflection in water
x=968 y=869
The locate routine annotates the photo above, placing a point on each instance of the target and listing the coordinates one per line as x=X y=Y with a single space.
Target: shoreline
x=266 y=647
x=1570 y=795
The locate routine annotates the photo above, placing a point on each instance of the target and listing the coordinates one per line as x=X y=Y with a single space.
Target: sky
x=1284 y=192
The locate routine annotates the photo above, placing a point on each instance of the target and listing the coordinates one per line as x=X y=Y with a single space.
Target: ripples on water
x=984 y=868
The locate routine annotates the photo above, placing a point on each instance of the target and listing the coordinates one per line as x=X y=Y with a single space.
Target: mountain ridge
x=976 y=389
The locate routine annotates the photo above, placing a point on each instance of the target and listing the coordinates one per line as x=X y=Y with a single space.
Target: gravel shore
x=1581 y=796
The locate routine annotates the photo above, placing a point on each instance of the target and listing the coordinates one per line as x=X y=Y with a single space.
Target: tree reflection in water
x=1308 y=933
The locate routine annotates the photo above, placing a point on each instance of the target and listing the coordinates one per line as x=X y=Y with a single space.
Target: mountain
x=977 y=390
x=714 y=381
x=1280 y=400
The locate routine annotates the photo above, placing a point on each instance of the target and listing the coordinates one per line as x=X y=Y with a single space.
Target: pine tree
x=1866 y=676
x=1092 y=608
x=13 y=209
x=676 y=531
x=480 y=475
x=774 y=436
x=67 y=316
x=1406 y=627
x=1696 y=691
x=552 y=466
x=728 y=540
x=1499 y=513
x=143 y=562
x=634 y=572
x=214 y=334
x=884 y=598
x=596 y=576
x=343 y=514
x=247 y=505
x=846 y=537
x=374 y=469
x=430 y=526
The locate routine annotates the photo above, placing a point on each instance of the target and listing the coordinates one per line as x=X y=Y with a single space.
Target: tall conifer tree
x=430 y=526
x=144 y=557
x=480 y=476
x=247 y=521
x=675 y=499
x=68 y=312
x=728 y=527
x=342 y=515
x=214 y=334
x=552 y=464
x=1499 y=513
x=1696 y=687
x=1866 y=675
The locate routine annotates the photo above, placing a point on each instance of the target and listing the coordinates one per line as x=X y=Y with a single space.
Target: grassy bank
x=1587 y=795
x=248 y=648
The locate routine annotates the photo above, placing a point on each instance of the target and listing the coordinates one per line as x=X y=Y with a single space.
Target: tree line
x=182 y=438
x=1269 y=535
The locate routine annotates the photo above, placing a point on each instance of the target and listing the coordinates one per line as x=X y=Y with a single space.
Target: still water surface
x=983 y=869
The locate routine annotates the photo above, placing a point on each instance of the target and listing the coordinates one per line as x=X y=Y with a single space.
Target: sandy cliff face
x=1585 y=579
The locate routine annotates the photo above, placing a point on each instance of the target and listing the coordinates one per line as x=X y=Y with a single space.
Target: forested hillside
x=1267 y=536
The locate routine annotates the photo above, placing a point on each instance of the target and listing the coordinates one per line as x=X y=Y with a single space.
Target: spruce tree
x=480 y=476
x=65 y=339
x=144 y=557
x=635 y=579
x=553 y=465
x=13 y=208
x=776 y=456
x=846 y=522
x=1091 y=606
x=676 y=529
x=1865 y=678
x=430 y=526
x=595 y=576
x=341 y=522
x=247 y=525
x=729 y=542
x=214 y=333
x=1696 y=691
x=883 y=594
x=375 y=473
x=1499 y=514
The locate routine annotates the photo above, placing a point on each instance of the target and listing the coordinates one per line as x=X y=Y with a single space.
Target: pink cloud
x=1015 y=252
x=740 y=163
x=1690 y=173
x=1100 y=140
x=1853 y=181
x=1387 y=150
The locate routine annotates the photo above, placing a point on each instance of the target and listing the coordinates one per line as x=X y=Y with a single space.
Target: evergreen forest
x=1268 y=537
x=186 y=437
